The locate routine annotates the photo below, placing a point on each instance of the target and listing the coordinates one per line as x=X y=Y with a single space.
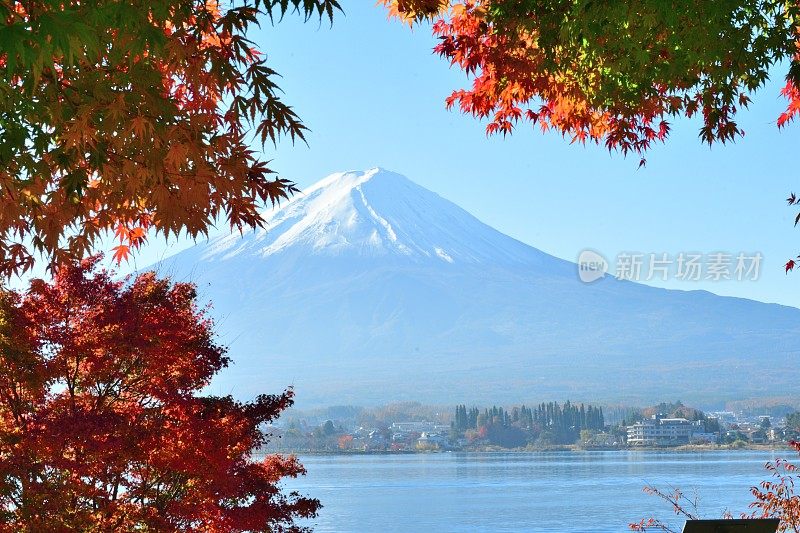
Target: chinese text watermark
x=681 y=266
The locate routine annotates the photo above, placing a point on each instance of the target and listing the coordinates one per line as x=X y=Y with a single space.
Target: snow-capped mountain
x=376 y=214
x=368 y=288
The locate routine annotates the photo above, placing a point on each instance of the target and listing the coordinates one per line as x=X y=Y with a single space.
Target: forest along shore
x=416 y=428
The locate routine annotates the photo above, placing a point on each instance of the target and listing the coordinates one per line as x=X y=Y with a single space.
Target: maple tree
x=613 y=72
x=774 y=498
x=682 y=505
x=134 y=116
x=793 y=200
x=101 y=424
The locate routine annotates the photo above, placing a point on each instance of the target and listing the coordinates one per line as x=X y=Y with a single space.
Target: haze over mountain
x=369 y=288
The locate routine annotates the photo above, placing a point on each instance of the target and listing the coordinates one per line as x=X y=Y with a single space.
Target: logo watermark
x=591 y=266
x=682 y=266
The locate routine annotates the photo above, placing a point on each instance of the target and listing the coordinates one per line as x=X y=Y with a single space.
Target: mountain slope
x=370 y=288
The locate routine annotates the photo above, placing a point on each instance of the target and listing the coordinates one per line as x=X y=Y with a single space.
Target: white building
x=431 y=440
x=659 y=431
x=408 y=427
x=700 y=437
x=725 y=417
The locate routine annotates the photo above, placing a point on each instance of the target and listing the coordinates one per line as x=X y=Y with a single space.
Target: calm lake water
x=537 y=492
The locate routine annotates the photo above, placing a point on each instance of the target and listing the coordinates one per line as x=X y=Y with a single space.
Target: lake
x=536 y=492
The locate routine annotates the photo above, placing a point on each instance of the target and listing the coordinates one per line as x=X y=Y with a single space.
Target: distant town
x=413 y=427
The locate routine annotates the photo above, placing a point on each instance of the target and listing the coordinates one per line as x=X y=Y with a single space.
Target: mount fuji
x=368 y=288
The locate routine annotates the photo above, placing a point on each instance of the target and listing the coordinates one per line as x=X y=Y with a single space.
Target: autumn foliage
x=793 y=200
x=774 y=498
x=101 y=425
x=134 y=116
x=614 y=73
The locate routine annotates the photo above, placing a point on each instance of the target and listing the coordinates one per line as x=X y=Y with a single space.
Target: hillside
x=369 y=288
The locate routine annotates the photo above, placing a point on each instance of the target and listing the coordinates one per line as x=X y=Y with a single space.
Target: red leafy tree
x=774 y=498
x=793 y=200
x=102 y=427
x=682 y=505
x=137 y=117
x=613 y=73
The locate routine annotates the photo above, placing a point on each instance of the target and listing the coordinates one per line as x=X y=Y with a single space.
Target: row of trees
x=547 y=423
x=544 y=415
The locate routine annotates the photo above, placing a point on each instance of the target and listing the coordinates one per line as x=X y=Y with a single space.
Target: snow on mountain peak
x=367 y=288
x=373 y=213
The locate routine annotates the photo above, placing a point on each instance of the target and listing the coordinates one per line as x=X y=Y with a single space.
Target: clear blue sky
x=373 y=95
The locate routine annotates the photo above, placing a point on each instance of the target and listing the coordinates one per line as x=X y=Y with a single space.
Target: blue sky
x=372 y=93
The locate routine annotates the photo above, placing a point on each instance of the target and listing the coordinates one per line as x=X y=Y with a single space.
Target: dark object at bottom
x=749 y=525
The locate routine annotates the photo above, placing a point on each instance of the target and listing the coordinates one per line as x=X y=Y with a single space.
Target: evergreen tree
x=473 y=418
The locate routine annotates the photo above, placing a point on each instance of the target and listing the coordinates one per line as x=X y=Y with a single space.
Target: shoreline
x=687 y=448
